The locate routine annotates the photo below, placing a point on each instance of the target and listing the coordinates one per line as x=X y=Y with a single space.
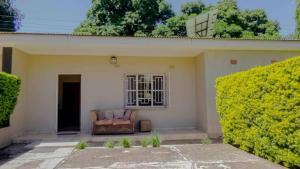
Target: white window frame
x=152 y=106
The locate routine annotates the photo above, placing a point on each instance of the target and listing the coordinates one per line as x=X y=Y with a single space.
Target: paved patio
x=42 y=156
x=193 y=156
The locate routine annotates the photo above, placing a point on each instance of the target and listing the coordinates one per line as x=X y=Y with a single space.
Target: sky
x=62 y=16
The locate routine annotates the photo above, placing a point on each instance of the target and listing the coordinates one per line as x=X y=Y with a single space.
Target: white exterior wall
x=102 y=87
x=217 y=63
x=17 y=119
x=19 y=68
x=201 y=94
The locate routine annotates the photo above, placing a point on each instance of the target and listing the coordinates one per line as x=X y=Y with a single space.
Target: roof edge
x=151 y=37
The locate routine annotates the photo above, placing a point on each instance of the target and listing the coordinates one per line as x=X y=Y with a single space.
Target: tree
x=298 y=19
x=124 y=17
x=175 y=26
x=235 y=23
x=193 y=7
x=231 y=21
x=156 y=18
x=165 y=11
x=10 y=18
x=163 y=30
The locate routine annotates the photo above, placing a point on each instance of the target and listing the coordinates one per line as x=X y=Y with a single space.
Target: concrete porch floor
x=165 y=135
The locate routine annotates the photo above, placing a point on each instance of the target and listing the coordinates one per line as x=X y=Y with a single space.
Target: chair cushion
x=108 y=114
x=120 y=122
x=100 y=115
x=104 y=122
x=119 y=113
x=127 y=115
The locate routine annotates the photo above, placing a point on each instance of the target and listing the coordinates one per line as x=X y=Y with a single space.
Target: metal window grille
x=146 y=90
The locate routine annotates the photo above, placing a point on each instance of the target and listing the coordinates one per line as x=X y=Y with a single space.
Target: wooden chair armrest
x=94 y=115
x=133 y=116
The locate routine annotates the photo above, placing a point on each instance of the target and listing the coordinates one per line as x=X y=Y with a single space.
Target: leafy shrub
x=206 y=141
x=9 y=91
x=145 y=142
x=260 y=111
x=125 y=143
x=82 y=144
x=110 y=144
x=155 y=141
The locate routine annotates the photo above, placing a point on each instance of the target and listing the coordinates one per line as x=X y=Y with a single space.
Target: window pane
x=144 y=90
x=158 y=91
x=131 y=82
x=131 y=90
x=131 y=99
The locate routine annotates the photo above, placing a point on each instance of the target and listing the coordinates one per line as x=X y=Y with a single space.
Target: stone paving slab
x=23 y=157
x=196 y=156
x=37 y=144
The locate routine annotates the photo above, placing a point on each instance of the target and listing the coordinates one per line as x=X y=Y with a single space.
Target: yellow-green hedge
x=260 y=111
x=9 y=91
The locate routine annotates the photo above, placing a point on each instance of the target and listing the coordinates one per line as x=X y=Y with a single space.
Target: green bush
x=260 y=111
x=125 y=142
x=145 y=142
x=9 y=91
x=82 y=144
x=110 y=144
x=155 y=141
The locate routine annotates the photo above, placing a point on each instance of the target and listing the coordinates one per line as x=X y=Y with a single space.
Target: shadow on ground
x=12 y=151
x=35 y=155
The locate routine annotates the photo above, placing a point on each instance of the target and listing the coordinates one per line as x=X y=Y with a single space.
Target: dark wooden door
x=69 y=115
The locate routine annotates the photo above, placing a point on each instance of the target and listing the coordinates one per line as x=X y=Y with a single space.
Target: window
x=146 y=90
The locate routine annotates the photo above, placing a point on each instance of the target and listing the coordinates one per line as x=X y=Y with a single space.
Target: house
x=169 y=80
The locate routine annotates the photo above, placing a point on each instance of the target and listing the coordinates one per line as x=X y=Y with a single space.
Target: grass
x=206 y=141
x=155 y=140
x=82 y=144
x=145 y=142
x=110 y=144
x=125 y=142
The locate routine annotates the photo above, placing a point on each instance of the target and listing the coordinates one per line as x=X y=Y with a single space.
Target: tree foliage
x=10 y=17
x=175 y=26
x=156 y=18
x=124 y=17
x=193 y=7
x=233 y=22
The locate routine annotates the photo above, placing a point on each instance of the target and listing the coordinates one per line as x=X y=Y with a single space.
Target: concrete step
x=166 y=135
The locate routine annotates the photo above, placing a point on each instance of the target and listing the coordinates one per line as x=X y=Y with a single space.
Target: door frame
x=57 y=100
